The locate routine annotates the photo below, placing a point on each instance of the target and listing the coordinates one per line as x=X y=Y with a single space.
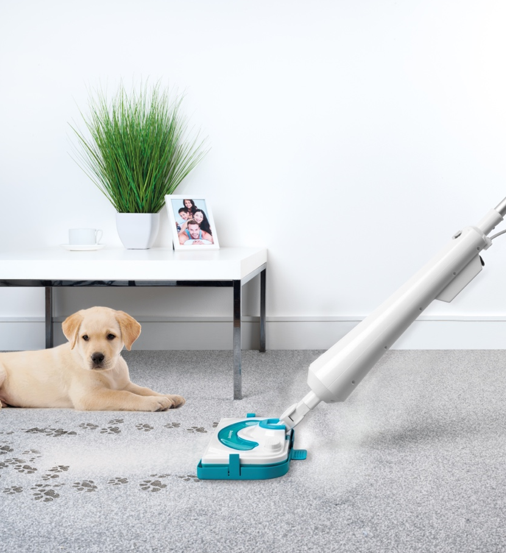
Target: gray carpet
x=413 y=461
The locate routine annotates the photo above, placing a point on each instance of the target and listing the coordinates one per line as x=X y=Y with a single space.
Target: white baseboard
x=282 y=333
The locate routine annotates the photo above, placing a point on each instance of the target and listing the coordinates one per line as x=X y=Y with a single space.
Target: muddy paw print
x=36 y=430
x=25 y=469
x=57 y=432
x=55 y=472
x=14 y=461
x=144 y=427
x=173 y=425
x=152 y=485
x=13 y=490
x=118 y=481
x=88 y=426
x=110 y=430
x=52 y=432
x=85 y=486
x=116 y=421
x=5 y=464
x=215 y=424
x=59 y=468
x=33 y=453
x=199 y=429
x=189 y=478
x=45 y=492
x=4 y=449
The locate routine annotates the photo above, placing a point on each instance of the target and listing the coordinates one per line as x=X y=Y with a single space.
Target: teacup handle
x=98 y=236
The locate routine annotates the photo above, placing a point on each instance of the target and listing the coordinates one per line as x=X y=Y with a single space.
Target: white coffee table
x=56 y=267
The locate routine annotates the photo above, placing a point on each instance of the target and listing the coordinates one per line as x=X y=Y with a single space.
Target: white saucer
x=82 y=247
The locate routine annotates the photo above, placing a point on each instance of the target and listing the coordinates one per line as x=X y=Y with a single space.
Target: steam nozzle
x=294 y=414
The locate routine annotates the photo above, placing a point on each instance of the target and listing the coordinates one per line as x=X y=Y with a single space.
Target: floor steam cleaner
x=258 y=448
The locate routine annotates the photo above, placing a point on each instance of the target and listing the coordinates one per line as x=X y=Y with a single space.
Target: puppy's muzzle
x=97 y=359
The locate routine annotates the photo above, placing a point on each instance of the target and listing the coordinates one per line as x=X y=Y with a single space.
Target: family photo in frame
x=191 y=222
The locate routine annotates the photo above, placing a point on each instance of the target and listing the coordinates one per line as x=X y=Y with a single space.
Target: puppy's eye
x=86 y=337
x=111 y=336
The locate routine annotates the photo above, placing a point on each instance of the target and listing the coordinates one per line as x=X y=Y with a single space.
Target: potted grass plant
x=137 y=151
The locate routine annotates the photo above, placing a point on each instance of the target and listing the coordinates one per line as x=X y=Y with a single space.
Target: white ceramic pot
x=137 y=231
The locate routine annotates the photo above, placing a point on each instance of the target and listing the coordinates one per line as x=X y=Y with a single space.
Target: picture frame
x=191 y=233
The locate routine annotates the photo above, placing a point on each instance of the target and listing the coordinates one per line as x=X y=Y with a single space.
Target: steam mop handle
x=501 y=208
x=336 y=373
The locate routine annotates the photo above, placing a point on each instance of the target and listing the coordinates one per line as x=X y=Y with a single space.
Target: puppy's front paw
x=159 y=403
x=177 y=401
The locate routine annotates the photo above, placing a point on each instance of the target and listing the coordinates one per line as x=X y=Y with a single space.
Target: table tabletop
x=155 y=264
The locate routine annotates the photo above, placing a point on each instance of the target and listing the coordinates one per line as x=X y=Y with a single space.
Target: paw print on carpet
x=55 y=472
x=52 y=432
x=199 y=429
x=4 y=449
x=85 y=486
x=46 y=492
x=24 y=469
x=173 y=425
x=13 y=490
x=116 y=421
x=144 y=427
x=5 y=464
x=59 y=468
x=118 y=481
x=34 y=454
x=110 y=430
x=88 y=426
x=190 y=478
x=154 y=485
x=14 y=461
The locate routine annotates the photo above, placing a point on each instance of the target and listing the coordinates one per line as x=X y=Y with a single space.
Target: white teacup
x=84 y=236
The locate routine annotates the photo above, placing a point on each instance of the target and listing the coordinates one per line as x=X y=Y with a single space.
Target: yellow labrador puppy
x=87 y=373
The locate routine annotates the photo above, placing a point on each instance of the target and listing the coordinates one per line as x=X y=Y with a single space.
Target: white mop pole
x=336 y=373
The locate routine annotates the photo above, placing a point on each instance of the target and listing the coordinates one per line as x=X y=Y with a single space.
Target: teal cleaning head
x=248 y=449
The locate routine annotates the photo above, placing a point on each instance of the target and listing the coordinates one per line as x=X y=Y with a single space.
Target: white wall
x=351 y=139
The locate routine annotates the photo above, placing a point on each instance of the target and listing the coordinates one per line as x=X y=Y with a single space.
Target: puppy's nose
x=97 y=358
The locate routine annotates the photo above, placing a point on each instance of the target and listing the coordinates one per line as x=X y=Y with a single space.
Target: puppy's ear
x=71 y=326
x=130 y=328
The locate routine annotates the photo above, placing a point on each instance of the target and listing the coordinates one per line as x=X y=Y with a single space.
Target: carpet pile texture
x=414 y=460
